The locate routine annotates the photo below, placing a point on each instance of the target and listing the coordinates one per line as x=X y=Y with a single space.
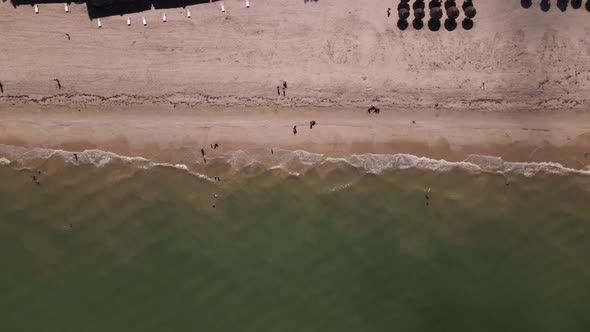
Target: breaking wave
x=292 y=162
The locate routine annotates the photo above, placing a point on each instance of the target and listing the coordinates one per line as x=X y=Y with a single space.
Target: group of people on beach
x=283 y=84
x=312 y=123
x=35 y=178
x=374 y=110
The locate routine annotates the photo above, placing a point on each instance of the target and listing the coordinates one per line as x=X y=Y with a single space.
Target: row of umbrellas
x=436 y=12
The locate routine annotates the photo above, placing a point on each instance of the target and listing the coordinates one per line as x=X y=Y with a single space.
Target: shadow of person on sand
x=526 y=3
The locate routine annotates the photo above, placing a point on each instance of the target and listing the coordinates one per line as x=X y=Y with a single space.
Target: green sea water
x=120 y=248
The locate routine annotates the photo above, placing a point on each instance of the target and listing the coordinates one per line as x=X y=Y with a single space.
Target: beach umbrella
x=436 y=13
x=452 y=13
x=419 y=13
x=403 y=13
x=470 y=12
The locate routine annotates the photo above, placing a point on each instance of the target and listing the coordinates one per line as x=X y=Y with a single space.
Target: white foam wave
x=295 y=162
x=95 y=157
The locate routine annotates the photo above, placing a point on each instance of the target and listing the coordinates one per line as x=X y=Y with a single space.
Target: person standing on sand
x=76 y=156
x=294 y=130
x=58 y=83
x=1 y=88
x=68 y=35
x=202 y=153
x=278 y=90
x=284 y=87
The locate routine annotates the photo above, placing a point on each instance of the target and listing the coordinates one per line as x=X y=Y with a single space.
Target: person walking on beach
x=311 y=124
x=202 y=153
x=58 y=83
x=284 y=87
x=68 y=35
x=388 y=12
x=215 y=146
x=76 y=156
x=294 y=130
x=1 y=88
x=278 y=90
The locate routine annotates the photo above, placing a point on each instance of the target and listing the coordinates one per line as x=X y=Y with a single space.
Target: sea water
x=291 y=241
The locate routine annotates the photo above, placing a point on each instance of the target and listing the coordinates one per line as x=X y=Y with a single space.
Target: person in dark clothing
x=215 y=146
x=311 y=124
x=1 y=88
x=294 y=130
x=58 y=83
x=388 y=12
x=68 y=35
x=278 y=90
x=76 y=156
x=202 y=152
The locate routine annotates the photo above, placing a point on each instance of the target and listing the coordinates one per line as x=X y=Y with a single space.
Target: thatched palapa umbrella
x=452 y=13
x=403 y=13
x=419 y=13
x=470 y=12
x=436 y=13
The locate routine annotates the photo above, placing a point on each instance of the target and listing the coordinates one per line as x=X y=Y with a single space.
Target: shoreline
x=176 y=134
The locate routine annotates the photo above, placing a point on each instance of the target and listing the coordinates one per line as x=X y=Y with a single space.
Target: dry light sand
x=167 y=89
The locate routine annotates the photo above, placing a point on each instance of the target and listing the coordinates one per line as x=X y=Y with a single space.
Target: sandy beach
x=174 y=134
x=166 y=89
